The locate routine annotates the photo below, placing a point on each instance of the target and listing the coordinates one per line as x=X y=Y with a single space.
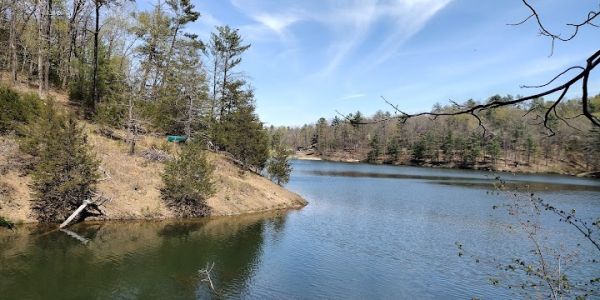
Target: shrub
x=65 y=171
x=17 y=110
x=188 y=182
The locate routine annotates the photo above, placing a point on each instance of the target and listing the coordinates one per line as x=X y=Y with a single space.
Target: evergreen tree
x=188 y=182
x=65 y=172
x=530 y=147
x=393 y=149
x=242 y=134
x=375 y=151
x=17 y=110
x=472 y=150
x=418 y=150
x=493 y=149
x=448 y=146
x=279 y=166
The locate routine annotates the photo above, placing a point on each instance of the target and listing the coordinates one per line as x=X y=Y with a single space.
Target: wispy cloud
x=347 y=24
x=352 y=96
x=353 y=23
x=408 y=17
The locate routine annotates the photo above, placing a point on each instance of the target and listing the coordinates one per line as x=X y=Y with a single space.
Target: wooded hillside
x=514 y=138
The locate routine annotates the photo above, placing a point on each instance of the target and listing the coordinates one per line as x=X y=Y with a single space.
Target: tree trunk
x=40 y=65
x=73 y=39
x=132 y=127
x=48 y=46
x=95 y=95
x=168 y=62
x=214 y=95
x=190 y=118
x=13 y=45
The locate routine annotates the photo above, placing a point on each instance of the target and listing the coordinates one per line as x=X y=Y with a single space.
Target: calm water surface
x=368 y=232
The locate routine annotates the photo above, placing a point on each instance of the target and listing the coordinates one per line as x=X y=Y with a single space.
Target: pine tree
x=65 y=171
x=418 y=150
x=279 y=166
x=242 y=134
x=375 y=151
x=493 y=149
x=188 y=182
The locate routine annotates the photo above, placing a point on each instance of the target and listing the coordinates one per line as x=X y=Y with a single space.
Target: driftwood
x=75 y=213
x=206 y=274
x=91 y=203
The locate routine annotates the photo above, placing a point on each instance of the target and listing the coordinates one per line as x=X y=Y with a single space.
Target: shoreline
x=502 y=169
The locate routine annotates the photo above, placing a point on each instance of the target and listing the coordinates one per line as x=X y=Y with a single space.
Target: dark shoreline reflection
x=487 y=182
x=134 y=260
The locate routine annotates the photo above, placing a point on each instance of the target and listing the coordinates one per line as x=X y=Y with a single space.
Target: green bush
x=112 y=112
x=17 y=109
x=188 y=182
x=65 y=171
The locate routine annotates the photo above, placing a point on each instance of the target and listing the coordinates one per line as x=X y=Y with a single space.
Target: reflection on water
x=133 y=260
x=368 y=232
x=482 y=181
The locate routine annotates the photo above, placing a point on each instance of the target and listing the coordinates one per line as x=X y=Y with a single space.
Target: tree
x=472 y=150
x=393 y=149
x=184 y=13
x=226 y=47
x=493 y=149
x=242 y=134
x=530 y=148
x=321 y=135
x=375 y=151
x=418 y=150
x=65 y=172
x=188 y=182
x=448 y=146
x=279 y=166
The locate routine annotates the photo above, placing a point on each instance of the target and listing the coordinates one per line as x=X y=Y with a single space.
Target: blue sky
x=310 y=58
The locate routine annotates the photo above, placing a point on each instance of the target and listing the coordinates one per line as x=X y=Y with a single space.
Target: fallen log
x=75 y=213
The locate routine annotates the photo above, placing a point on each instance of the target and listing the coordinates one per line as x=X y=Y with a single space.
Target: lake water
x=369 y=232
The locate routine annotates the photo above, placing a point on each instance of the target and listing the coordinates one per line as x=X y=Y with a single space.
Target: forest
x=509 y=138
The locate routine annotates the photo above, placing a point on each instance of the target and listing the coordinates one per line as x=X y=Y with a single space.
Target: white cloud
x=348 y=24
x=277 y=23
x=354 y=21
x=352 y=96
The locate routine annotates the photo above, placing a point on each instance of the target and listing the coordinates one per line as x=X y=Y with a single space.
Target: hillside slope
x=133 y=182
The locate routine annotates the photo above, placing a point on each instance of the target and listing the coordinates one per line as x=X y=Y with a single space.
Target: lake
x=376 y=232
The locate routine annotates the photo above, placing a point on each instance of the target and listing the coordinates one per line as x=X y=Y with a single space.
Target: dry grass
x=133 y=182
x=239 y=193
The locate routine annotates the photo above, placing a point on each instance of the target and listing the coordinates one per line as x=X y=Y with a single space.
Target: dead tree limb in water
x=100 y=200
x=75 y=214
x=206 y=273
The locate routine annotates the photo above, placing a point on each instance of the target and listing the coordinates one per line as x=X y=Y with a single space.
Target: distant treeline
x=513 y=137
